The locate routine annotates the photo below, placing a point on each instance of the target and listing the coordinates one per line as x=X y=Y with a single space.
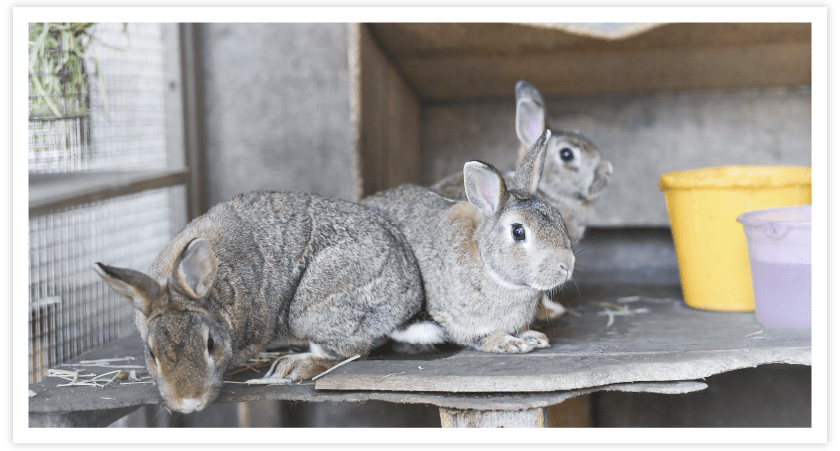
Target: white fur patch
x=420 y=333
x=188 y=405
x=318 y=351
x=555 y=309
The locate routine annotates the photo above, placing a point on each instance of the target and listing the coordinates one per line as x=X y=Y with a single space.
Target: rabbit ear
x=195 y=269
x=485 y=187
x=530 y=113
x=529 y=170
x=141 y=290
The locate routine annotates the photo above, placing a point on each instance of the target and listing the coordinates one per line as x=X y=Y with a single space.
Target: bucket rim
x=736 y=176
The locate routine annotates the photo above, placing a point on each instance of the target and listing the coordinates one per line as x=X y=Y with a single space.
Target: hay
x=342 y=363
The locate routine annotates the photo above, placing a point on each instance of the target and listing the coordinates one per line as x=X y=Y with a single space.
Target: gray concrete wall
x=277 y=109
x=643 y=135
x=277 y=117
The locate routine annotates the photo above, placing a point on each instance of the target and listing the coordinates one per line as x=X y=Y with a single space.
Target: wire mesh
x=124 y=123
x=71 y=309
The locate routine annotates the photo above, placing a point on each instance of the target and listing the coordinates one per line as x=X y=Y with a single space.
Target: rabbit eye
x=210 y=344
x=152 y=354
x=566 y=154
x=518 y=232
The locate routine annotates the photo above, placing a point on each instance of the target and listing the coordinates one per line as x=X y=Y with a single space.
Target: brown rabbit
x=262 y=267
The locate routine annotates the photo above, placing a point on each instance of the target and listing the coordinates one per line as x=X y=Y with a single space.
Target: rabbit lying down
x=265 y=266
x=574 y=172
x=484 y=263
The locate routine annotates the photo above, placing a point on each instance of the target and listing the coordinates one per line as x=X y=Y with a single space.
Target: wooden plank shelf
x=664 y=350
x=451 y=61
x=49 y=192
x=663 y=340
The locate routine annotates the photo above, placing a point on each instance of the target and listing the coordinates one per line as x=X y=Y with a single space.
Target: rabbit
x=262 y=267
x=575 y=173
x=484 y=263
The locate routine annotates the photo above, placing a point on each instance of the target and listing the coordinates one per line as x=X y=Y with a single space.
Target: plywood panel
x=54 y=403
x=660 y=339
x=386 y=118
x=451 y=61
x=427 y=39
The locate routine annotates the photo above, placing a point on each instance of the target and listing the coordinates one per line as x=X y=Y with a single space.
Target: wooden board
x=532 y=418
x=385 y=113
x=52 y=404
x=666 y=341
x=456 y=60
x=54 y=191
x=662 y=351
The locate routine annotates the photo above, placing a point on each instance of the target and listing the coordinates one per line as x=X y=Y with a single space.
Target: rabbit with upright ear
x=484 y=263
x=267 y=266
x=574 y=175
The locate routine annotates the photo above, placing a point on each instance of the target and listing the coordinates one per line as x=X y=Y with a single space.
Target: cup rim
x=753 y=219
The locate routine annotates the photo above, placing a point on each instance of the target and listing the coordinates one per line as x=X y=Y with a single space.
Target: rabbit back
x=313 y=269
x=261 y=267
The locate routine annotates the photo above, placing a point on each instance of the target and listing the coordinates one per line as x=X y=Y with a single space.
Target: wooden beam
x=386 y=118
x=49 y=192
x=531 y=418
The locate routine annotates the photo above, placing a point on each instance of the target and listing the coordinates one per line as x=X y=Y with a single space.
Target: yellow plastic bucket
x=710 y=244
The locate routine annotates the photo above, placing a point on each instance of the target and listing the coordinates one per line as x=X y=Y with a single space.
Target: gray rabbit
x=485 y=262
x=261 y=267
x=575 y=173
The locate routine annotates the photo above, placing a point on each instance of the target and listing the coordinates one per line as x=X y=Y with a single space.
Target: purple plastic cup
x=779 y=247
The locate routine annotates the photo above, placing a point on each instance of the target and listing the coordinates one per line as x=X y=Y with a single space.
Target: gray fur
x=268 y=266
x=570 y=186
x=481 y=285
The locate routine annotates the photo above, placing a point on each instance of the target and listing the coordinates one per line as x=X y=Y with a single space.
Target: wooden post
x=531 y=418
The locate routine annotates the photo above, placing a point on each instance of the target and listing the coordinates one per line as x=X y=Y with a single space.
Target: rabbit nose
x=570 y=269
x=568 y=265
x=190 y=404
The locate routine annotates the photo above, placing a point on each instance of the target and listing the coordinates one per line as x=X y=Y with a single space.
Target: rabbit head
x=574 y=167
x=522 y=239
x=188 y=346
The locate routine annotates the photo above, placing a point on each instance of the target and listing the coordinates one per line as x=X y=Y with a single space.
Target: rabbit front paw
x=503 y=343
x=298 y=367
x=535 y=339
